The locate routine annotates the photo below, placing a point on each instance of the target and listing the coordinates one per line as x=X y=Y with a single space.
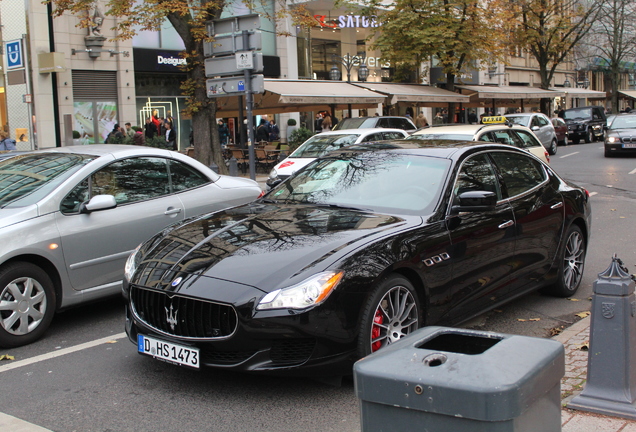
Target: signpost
x=236 y=41
x=15 y=59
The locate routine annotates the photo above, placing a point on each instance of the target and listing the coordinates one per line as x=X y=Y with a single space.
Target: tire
x=24 y=318
x=589 y=135
x=565 y=141
x=381 y=307
x=553 y=148
x=571 y=262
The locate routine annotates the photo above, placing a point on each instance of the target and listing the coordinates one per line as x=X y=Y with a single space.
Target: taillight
x=261 y=195
x=547 y=156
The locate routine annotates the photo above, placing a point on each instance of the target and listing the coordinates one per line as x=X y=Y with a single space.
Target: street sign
x=15 y=59
x=223 y=44
x=234 y=24
x=233 y=86
x=227 y=66
x=244 y=60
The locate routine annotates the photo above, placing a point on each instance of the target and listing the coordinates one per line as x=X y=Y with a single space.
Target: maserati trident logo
x=176 y=282
x=171 y=317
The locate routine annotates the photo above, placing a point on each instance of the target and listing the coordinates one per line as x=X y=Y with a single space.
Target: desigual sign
x=174 y=61
x=348 y=21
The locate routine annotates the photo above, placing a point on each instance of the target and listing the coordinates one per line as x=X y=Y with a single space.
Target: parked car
x=70 y=216
x=325 y=142
x=393 y=122
x=499 y=132
x=587 y=123
x=561 y=130
x=621 y=135
x=355 y=251
x=540 y=125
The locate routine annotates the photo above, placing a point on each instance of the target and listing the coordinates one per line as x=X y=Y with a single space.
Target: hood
x=623 y=133
x=11 y=216
x=267 y=246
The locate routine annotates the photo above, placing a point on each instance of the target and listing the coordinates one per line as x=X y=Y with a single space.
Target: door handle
x=556 y=206
x=507 y=224
x=172 y=211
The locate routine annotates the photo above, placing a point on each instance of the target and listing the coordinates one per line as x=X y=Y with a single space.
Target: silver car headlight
x=273 y=174
x=310 y=292
x=131 y=263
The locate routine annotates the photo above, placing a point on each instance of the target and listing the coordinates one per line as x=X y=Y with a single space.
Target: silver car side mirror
x=98 y=202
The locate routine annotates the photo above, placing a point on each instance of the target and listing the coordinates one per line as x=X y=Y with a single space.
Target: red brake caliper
x=375 y=330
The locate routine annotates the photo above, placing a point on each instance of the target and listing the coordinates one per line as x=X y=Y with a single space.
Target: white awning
x=303 y=95
x=580 y=92
x=628 y=93
x=507 y=92
x=414 y=93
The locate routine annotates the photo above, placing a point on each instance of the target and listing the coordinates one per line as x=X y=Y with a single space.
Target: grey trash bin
x=453 y=380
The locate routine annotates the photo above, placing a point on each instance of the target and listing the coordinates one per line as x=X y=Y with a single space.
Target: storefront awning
x=303 y=95
x=507 y=92
x=414 y=93
x=581 y=93
x=628 y=93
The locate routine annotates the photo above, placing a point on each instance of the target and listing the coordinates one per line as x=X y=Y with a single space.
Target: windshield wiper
x=344 y=207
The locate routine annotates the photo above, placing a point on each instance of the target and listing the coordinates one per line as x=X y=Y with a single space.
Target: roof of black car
x=436 y=148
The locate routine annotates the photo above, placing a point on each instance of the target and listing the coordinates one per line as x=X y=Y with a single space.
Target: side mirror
x=535 y=128
x=98 y=202
x=476 y=201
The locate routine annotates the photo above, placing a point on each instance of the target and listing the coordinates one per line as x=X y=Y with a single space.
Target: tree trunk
x=450 y=86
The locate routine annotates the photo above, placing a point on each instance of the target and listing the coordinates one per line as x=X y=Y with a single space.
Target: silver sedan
x=70 y=216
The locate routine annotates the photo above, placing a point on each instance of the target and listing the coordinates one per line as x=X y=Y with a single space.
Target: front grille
x=291 y=351
x=182 y=316
x=630 y=139
x=209 y=355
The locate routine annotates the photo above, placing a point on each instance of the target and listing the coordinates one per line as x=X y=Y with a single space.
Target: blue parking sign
x=241 y=85
x=14 y=54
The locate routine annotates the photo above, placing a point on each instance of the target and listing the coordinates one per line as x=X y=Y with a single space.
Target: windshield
x=520 y=120
x=624 y=122
x=583 y=113
x=319 y=145
x=441 y=136
x=26 y=179
x=378 y=181
x=355 y=123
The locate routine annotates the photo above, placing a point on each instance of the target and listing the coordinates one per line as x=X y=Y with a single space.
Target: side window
x=520 y=173
x=527 y=139
x=392 y=135
x=72 y=201
x=139 y=179
x=535 y=121
x=477 y=174
x=383 y=123
x=487 y=137
x=184 y=177
x=504 y=137
x=373 y=137
x=542 y=121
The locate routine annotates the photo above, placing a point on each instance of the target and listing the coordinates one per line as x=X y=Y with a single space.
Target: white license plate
x=629 y=145
x=167 y=351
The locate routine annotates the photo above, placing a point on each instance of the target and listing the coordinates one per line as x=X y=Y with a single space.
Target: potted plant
x=76 y=138
x=291 y=127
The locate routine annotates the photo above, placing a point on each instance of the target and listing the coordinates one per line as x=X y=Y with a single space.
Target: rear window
x=355 y=123
x=319 y=145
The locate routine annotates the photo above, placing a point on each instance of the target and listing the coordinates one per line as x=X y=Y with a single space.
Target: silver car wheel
x=22 y=306
x=573 y=261
x=395 y=316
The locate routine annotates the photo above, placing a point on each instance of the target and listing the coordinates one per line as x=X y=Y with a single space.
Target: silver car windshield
x=378 y=181
x=319 y=145
x=626 y=122
x=26 y=179
x=520 y=120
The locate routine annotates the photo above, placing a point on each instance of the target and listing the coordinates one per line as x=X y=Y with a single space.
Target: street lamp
x=348 y=62
x=579 y=84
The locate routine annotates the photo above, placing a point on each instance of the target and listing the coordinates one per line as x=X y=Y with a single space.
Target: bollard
x=611 y=363
x=233 y=168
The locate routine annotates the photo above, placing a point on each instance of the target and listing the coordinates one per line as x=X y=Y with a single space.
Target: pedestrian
x=326 y=123
x=130 y=132
x=481 y=118
x=472 y=117
x=150 y=130
x=171 y=137
x=139 y=138
x=438 y=119
x=224 y=132
x=274 y=131
x=421 y=121
x=115 y=136
x=561 y=113
x=445 y=115
x=6 y=143
x=318 y=123
x=261 y=131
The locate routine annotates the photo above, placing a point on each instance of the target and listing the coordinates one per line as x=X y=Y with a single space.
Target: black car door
x=482 y=242
x=539 y=214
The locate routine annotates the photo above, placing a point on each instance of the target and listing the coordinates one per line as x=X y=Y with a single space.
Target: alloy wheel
x=573 y=260
x=22 y=306
x=395 y=316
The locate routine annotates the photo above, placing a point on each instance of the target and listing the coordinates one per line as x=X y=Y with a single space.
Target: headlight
x=613 y=139
x=131 y=263
x=273 y=174
x=581 y=127
x=310 y=292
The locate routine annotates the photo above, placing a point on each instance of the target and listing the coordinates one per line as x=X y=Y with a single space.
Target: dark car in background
x=561 y=130
x=356 y=250
x=621 y=135
x=585 y=123
x=393 y=122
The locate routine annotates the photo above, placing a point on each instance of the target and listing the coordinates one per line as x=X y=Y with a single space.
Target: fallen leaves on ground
x=573 y=299
x=584 y=347
x=535 y=319
x=584 y=314
x=521 y=319
x=6 y=357
x=112 y=341
x=555 y=331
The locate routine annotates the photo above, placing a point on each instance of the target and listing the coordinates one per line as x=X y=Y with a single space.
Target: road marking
x=633 y=171
x=593 y=193
x=10 y=423
x=567 y=155
x=61 y=352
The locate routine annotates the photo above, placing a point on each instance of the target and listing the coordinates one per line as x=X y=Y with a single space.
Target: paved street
x=105 y=385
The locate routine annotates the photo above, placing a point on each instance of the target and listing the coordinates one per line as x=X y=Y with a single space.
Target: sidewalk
x=573 y=338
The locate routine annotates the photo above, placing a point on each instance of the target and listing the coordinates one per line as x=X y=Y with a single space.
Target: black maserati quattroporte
x=352 y=253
